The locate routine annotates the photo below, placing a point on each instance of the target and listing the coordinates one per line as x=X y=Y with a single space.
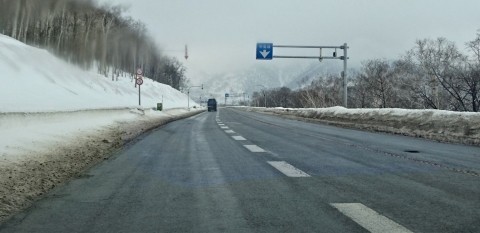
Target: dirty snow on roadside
x=56 y=120
x=441 y=125
x=45 y=100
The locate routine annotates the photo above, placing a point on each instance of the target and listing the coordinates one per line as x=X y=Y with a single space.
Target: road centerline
x=239 y=138
x=368 y=218
x=254 y=148
x=287 y=169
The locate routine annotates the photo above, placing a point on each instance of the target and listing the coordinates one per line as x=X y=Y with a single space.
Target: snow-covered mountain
x=269 y=76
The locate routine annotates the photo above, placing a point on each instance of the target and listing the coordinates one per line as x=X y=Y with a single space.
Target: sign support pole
x=265 y=95
x=345 y=80
x=188 y=96
x=139 y=82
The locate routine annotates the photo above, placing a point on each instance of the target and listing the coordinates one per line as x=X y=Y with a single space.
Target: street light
x=188 y=95
x=264 y=94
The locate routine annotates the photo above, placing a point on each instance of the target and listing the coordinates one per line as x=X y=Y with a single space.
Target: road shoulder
x=26 y=180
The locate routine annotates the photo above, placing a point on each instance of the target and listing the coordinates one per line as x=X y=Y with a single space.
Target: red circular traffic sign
x=139 y=71
x=139 y=81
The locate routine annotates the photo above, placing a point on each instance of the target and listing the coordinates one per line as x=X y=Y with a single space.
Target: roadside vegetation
x=90 y=36
x=434 y=74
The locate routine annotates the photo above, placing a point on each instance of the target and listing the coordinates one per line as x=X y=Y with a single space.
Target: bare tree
x=377 y=78
x=472 y=76
x=86 y=34
x=442 y=61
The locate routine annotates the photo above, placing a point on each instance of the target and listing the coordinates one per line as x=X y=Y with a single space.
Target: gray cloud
x=222 y=34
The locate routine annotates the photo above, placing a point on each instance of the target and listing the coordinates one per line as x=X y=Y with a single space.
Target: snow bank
x=33 y=80
x=447 y=126
x=33 y=166
x=57 y=120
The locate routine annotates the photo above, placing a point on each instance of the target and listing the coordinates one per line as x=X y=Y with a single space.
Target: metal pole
x=265 y=95
x=188 y=95
x=139 y=96
x=345 y=84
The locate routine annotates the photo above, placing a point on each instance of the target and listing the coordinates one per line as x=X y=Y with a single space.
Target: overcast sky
x=222 y=34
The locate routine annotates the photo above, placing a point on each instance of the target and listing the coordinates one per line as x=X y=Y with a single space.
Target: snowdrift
x=57 y=120
x=446 y=126
x=33 y=80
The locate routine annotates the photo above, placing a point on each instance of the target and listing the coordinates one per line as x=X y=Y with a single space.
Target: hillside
x=270 y=75
x=36 y=81
x=57 y=120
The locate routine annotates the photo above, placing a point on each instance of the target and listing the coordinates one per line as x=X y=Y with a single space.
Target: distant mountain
x=269 y=76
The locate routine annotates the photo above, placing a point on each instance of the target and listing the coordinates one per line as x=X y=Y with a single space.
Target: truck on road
x=212 y=105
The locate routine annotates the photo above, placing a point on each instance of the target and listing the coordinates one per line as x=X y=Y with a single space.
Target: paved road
x=236 y=171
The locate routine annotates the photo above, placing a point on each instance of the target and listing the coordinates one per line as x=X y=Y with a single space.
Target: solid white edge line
x=287 y=169
x=254 y=148
x=368 y=218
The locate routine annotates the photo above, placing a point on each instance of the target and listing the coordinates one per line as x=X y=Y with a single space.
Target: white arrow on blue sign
x=264 y=51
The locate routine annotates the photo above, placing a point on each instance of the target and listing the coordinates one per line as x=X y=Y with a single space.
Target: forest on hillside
x=434 y=74
x=91 y=36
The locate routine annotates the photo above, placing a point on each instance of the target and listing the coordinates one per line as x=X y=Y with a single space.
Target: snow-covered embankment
x=56 y=120
x=445 y=126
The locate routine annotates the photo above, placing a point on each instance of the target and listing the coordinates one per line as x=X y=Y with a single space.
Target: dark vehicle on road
x=212 y=105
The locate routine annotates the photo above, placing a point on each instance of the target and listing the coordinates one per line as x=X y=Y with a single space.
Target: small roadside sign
x=139 y=71
x=227 y=95
x=264 y=51
x=139 y=81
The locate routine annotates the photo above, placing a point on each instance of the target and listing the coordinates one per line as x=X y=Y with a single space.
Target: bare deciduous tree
x=88 y=35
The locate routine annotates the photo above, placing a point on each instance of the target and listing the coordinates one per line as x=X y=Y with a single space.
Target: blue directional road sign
x=264 y=51
x=227 y=95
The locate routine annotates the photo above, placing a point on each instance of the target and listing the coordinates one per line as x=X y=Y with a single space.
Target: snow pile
x=31 y=169
x=56 y=120
x=45 y=101
x=33 y=80
x=447 y=126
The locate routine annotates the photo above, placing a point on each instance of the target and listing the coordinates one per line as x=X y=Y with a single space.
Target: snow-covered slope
x=44 y=101
x=33 y=80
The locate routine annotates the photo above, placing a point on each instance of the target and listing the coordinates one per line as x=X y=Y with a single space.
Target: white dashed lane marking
x=224 y=127
x=254 y=148
x=288 y=169
x=239 y=138
x=369 y=219
x=229 y=131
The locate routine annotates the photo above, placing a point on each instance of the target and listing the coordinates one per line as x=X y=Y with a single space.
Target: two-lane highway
x=237 y=171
